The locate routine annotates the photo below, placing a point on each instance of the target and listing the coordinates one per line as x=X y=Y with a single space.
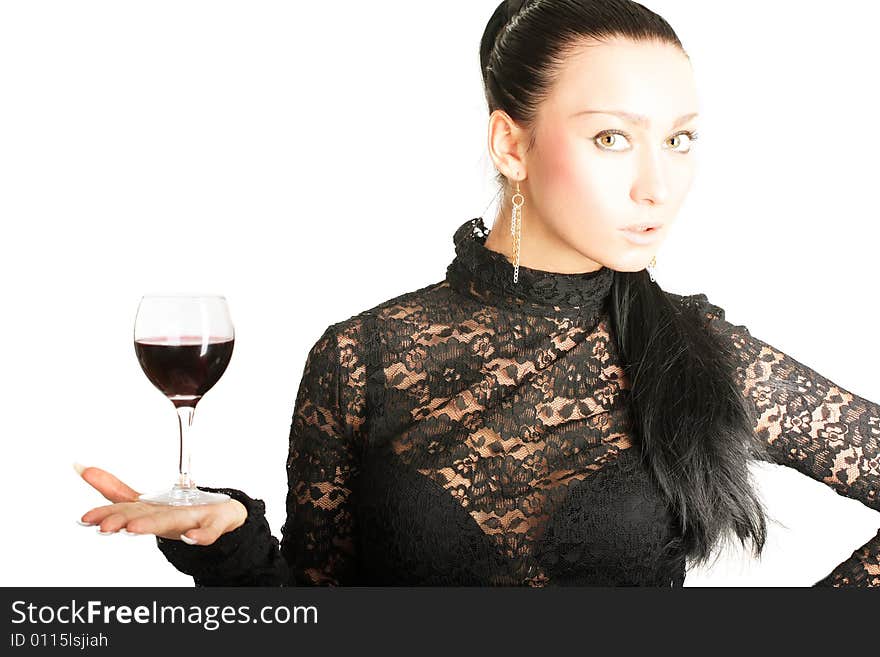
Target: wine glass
x=183 y=344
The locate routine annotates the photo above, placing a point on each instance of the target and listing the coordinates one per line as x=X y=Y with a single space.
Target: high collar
x=487 y=276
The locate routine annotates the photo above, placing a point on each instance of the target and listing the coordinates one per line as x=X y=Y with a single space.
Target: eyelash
x=692 y=135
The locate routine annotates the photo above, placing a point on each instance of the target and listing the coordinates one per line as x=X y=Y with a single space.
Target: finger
x=113 y=523
x=166 y=521
x=209 y=531
x=97 y=515
x=108 y=485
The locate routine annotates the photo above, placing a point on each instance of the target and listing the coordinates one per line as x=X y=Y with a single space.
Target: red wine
x=184 y=368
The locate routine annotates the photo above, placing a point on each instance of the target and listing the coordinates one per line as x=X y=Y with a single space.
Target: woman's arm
x=318 y=536
x=811 y=424
x=246 y=556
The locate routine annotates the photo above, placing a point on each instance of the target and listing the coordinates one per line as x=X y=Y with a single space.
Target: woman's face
x=590 y=174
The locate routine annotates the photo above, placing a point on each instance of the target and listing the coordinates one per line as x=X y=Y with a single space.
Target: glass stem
x=185 y=418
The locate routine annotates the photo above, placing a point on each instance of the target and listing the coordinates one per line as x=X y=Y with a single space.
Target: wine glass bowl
x=183 y=344
x=184 y=369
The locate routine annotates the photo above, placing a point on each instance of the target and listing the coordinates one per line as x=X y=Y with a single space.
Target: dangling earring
x=651 y=266
x=516 y=228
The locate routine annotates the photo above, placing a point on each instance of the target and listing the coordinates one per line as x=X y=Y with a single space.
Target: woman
x=546 y=414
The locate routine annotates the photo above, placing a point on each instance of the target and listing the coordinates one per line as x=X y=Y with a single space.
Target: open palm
x=200 y=524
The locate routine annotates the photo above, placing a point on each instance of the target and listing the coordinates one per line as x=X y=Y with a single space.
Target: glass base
x=180 y=496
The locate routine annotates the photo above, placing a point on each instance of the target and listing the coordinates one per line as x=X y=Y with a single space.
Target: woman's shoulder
x=698 y=302
x=710 y=314
x=420 y=307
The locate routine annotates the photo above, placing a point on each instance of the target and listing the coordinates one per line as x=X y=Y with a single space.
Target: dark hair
x=689 y=418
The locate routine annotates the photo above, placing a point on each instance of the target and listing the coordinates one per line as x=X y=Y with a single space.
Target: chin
x=629 y=264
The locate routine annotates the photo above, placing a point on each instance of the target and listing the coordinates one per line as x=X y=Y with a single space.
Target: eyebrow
x=638 y=119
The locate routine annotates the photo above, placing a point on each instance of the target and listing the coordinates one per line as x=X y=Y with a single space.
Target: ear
x=507 y=143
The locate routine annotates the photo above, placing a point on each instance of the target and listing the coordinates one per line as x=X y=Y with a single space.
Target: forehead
x=649 y=78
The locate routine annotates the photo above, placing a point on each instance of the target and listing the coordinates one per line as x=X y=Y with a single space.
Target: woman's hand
x=202 y=524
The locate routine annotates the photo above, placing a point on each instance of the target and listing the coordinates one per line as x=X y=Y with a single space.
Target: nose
x=651 y=185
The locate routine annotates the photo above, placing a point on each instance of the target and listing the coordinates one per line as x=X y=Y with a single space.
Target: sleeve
x=246 y=556
x=813 y=425
x=318 y=536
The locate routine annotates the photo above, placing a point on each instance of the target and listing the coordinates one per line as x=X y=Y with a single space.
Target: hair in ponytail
x=691 y=425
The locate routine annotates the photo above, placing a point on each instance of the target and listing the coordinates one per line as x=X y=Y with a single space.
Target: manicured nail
x=79 y=467
x=104 y=533
x=85 y=524
x=127 y=533
x=188 y=540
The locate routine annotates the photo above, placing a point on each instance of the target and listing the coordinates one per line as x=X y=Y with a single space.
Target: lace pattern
x=476 y=432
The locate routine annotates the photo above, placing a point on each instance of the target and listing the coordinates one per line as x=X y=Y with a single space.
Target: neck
x=487 y=276
x=539 y=247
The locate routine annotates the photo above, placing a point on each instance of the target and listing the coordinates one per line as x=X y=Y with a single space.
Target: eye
x=607 y=139
x=689 y=142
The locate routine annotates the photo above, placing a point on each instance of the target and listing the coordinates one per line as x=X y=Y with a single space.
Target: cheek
x=562 y=164
x=574 y=183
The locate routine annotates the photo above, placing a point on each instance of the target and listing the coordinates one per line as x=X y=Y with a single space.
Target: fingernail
x=79 y=467
x=104 y=533
x=188 y=540
x=85 y=524
x=127 y=533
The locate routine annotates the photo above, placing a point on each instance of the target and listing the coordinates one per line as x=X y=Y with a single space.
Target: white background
x=310 y=160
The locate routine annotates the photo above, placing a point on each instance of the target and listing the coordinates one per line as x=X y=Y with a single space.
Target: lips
x=643 y=226
x=642 y=234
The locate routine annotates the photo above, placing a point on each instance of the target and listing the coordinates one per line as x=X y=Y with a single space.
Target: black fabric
x=476 y=432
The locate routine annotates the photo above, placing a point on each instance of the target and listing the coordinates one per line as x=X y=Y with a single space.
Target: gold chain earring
x=516 y=228
x=651 y=266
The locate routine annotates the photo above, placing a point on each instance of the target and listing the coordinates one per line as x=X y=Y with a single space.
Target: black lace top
x=476 y=432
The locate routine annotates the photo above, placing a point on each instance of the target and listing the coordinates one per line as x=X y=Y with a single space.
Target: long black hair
x=693 y=429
